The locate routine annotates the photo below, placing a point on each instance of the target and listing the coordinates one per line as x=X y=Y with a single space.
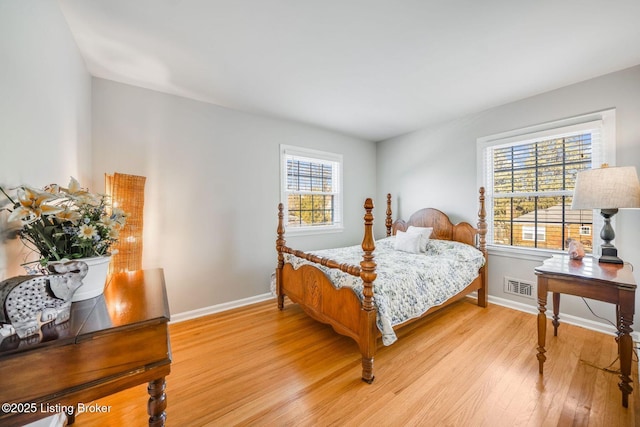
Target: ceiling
x=373 y=69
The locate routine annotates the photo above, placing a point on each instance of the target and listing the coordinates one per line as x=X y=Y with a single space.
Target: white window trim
x=606 y=119
x=312 y=154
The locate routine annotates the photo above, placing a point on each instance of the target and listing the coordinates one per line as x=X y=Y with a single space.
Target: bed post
x=389 y=221
x=483 y=293
x=368 y=275
x=280 y=243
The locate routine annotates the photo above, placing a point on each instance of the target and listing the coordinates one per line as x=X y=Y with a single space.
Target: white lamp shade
x=607 y=188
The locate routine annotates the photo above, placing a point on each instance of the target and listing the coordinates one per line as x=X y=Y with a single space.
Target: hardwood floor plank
x=577 y=407
x=463 y=366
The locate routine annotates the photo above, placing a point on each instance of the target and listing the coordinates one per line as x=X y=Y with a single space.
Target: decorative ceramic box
x=28 y=302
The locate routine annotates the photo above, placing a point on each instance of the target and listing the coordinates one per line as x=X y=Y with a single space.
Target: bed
x=350 y=294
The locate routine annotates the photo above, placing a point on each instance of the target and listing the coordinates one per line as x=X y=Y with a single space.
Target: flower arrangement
x=64 y=223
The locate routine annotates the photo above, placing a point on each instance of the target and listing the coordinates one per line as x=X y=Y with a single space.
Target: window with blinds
x=532 y=188
x=311 y=189
x=529 y=179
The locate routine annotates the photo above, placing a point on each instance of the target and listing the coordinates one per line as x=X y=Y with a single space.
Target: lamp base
x=608 y=252
x=610 y=256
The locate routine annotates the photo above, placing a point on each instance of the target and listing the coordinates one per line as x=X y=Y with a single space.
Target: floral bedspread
x=407 y=284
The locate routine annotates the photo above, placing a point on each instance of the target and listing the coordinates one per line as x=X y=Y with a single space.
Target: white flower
x=87 y=231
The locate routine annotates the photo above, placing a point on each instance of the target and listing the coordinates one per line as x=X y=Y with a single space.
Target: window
x=532 y=233
x=311 y=189
x=585 y=230
x=529 y=176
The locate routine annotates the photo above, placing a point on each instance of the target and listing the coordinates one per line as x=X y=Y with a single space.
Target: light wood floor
x=464 y=366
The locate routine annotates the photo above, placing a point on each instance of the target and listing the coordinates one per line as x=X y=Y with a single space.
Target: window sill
x=312 y=231
x=523 y=253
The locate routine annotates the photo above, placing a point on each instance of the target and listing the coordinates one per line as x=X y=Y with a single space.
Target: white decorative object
x=425 y=235
x=408 y=242
x=28 y=302
x=95 y=280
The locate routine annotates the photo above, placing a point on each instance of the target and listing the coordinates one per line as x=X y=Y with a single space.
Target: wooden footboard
x=309 y=287
x=341 y=308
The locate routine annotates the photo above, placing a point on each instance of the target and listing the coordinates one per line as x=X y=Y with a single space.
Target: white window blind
x=311 y=189
x=529 y=177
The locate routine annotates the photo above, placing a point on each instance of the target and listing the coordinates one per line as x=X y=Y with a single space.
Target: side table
x=612 y=283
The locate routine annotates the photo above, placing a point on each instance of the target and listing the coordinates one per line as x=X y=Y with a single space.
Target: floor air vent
x=518 y=287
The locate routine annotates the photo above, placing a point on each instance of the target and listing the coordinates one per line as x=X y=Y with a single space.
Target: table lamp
x=607 y=189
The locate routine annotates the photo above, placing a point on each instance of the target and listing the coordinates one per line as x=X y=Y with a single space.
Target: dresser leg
x=157 y=402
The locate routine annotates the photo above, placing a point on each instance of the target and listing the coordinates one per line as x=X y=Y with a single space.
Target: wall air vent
x=519 y=287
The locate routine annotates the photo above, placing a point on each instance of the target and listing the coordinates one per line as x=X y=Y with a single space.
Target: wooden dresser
x=112 y=342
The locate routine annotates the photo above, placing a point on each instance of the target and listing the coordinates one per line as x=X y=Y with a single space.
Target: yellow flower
x=33 y=204
x=69 y=215
x=87 y=231
x=75 y=191
x=114 y=234
x=52 y=188
x=107 y=221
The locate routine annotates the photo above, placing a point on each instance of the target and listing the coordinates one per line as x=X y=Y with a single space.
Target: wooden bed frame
x=341 y=308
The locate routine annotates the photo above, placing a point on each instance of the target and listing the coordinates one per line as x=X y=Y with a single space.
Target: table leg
x=157 y=402
x=618 y=324
x=556 y=311
x=625 y=345
x=71 y=415
x=542 y=321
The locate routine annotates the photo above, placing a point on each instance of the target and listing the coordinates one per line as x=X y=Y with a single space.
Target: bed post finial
x=389 y=221
x=280 y=244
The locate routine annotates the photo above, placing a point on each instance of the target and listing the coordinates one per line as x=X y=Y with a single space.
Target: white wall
x=436 y=167
x=45 y=101
x=212 y=187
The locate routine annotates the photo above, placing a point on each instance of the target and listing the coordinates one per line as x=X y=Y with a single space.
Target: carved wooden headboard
x=443 y=228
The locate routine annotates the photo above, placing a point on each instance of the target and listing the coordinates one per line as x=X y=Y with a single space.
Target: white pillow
x=407 y=242
x=425 y=234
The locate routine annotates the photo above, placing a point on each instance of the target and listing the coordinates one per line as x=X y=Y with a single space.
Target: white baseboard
x=187 y=315
x=565 y=318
